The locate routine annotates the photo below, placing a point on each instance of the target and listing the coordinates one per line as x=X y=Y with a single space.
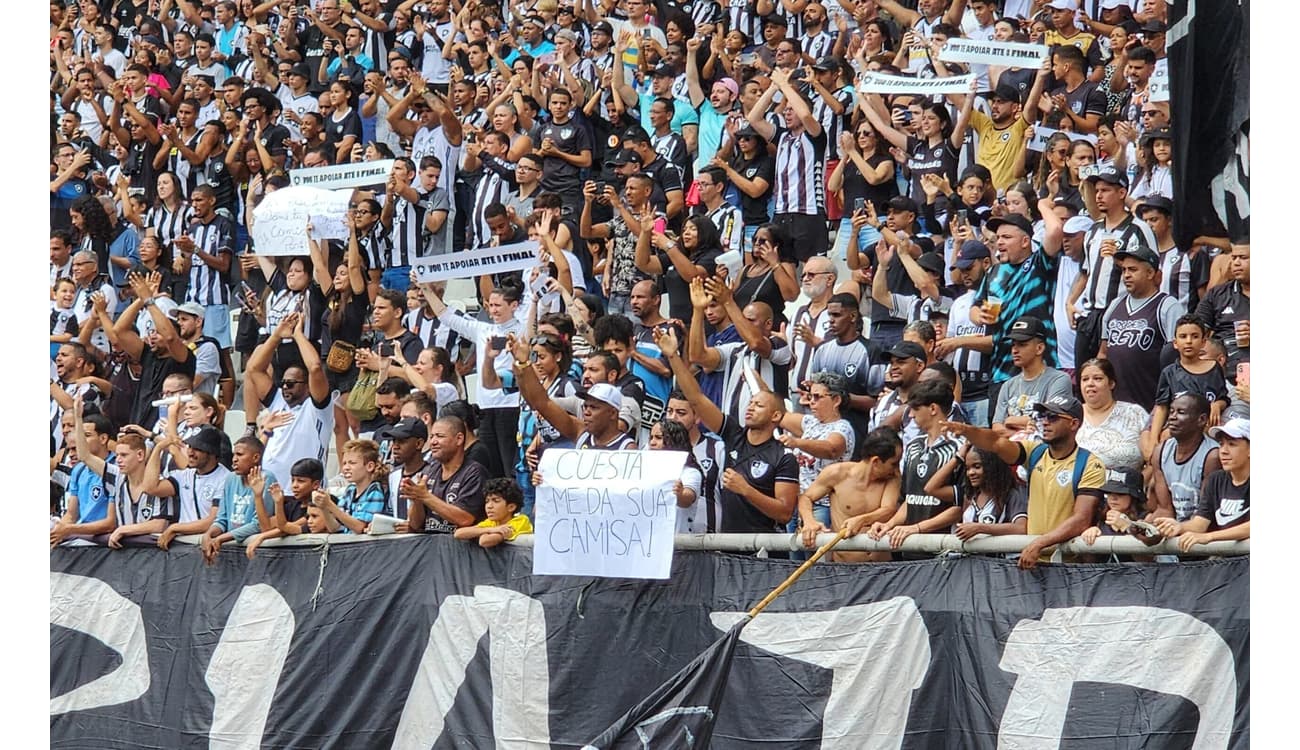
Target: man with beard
x=1058 y=511
x=811 y=324
x=906 y=361
x=846 y=352
x=599 y=427
x=207 y=352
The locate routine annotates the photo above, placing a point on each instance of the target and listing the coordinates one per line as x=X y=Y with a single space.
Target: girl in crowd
x=433 y=372
x=679 y=260
x=1155 y=167
x=1113 y=431
x=936 y=131
x=667 y=435
x=342 y=319
x=993 y=501
x=864 y=174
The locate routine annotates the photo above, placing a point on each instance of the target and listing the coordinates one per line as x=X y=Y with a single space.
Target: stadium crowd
x=905 y=313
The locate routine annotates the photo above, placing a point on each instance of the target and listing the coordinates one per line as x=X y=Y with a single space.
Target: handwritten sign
x=609 y=514
x=1006 y=54
x=879 y=83
x=280 y=220
x=338 y=176
x=471 y=263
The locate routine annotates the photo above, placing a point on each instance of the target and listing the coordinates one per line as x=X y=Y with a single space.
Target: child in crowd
x=290 y=516
x=237 y=518
x=1191 y=373
x=502 y=500
x=365 y=495
x=63 y=319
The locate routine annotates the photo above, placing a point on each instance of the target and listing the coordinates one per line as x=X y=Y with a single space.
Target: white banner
x=342 y=175
x=878 y=83
x=470 y=263
x=1158 y=86
x=280 y=220
x=609 y=514
x=1005 y=54
x=1041 y=134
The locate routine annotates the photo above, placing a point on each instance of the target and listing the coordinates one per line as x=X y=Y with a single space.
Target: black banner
x=431 y=643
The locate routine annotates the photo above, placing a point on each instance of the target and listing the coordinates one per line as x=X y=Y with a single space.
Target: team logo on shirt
x=146 y=512
x=850 y=369
x=1006 y=136
x=566 y=132
x=706 y=464
x=1063 y=477
x=922 y=469
x=938 y=152
x=749 y=173
x=758 y=468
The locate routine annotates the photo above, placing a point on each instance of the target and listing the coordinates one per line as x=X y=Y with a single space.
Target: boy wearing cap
x=1138 y=327
x=1064 y=480
x=1223 y=512
x=1125 y=505
x=406 y=451
x=1013 y=414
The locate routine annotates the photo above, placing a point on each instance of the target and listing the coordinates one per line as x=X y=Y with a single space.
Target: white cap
x=1076 y=224
x=1064 y=5
x=606 y=394
x=1235 y=428
x=1112 y=4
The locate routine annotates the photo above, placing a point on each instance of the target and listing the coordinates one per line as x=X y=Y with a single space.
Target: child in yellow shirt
x=502 y=500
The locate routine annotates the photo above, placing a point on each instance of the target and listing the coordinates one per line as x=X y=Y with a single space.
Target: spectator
x=1190 y=374
x=992 y=499
x=710 y=454
x=906 y=360
x=967 y=346
x=1226 y=310
x=863 y=175
x=238 y=516
x=364 y=495
x=1037 y=382
x=1057 y=511
x=598 y=427
x=667 y=435
x=866 y=492
x=811 y=323
x=1076 y=95
x=847 y=353
x=1125 y=504
x=1184 y=461
x=819 y=438
x=502 y=504
x=158 y=348
x=769 y=272
x=198 y=487
x=753 y=171
x=631 y=216
x=1115 y=431
x=760 y=480
x=679 y=262
x=1002 y=131
x=769 y=356
x=1183 y=273
x=1138 y=327
x=88 y=496
x=1223 y=511
x=450 y=494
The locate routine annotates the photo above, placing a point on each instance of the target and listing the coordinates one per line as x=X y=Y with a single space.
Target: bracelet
x=522 y=363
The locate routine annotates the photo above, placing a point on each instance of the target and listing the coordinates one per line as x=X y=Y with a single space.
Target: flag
x=681 y=712
x=1208 y=45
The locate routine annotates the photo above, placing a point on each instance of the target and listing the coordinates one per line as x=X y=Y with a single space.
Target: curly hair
x=96 y=220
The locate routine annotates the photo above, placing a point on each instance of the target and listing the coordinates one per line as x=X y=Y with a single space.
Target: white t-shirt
x=692 y=520
x=196 y=493
x=307 y=436
x=1065 y=276
x=481 y=332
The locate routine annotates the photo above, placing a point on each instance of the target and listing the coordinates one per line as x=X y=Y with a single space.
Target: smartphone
x=1243 y=374
x=660 y=223
x=859 y=204
x=645 y=33
x=497 y=343
x=600 y=189
x=749 y=58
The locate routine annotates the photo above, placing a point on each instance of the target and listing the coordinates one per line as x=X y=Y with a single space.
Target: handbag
x=361 y=399
x=340 y=357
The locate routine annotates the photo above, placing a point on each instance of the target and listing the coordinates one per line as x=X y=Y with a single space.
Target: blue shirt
x=363 y=508
x=683 y=112
x=92 y=497
x=236 y=513
x=125 y=245
x=1026 y=288
x=534 y=52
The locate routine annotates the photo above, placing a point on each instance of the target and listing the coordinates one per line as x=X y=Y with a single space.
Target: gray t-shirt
x=1018 y=396
x=438 y=243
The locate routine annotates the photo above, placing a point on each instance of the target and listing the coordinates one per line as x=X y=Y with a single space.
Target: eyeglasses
x=545 y=340
x=1150 y=112
x=814 y=274
x=818 y=396
x=862 y=133
x=1048 y=418
x=362 y=211
x=291 y=383
x=525 y=168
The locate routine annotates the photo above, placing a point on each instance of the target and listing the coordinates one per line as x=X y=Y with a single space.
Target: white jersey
x=1066 y=273
x=307 y=436
x=480 y=332
x=433 y=142
x=299 y=105
x=197 y=493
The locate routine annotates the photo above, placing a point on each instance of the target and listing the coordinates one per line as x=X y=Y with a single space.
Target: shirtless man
x=862 y=493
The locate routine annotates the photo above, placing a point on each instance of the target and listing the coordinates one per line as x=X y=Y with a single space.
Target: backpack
x=1080 y=463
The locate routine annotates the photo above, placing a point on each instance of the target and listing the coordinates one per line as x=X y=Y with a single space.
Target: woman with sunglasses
x=864 y=174
x=768 y=275
x=819 y=438
x=1054 y=157
x=679 y=260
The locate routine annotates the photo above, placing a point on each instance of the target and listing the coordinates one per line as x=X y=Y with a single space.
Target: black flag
x=1208 y=43
x=681 y=712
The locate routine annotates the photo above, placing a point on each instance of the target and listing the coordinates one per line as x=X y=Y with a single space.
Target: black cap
x=1142 y=253
x=747 y=131
x=625 y=156
x=1163 y=133
x=664 y=70
x=407 y=428
x=1066 y=406
x=828 y=62
x=207 y=440
x=907 y=350
x=636 y=134
x=1156 y=201
x=775 y=18
x=1110 y=175
x=1027 y=327
x=1125 y=481
x=1006 y=92
x=1016 y=220
x=971 y=251
x=603 y=26
x=1152 y=26
x=901 y=203
x=932 y=262
x=300 y=70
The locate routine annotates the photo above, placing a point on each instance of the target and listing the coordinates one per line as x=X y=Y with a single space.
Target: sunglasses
x=291 y=383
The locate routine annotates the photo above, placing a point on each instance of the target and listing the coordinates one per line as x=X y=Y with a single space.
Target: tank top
x=1184 y=479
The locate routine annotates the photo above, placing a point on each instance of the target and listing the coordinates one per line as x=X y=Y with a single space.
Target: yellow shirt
x=1000 y=149
x=1083 y=40
x=1051 y=487
x=518 y=523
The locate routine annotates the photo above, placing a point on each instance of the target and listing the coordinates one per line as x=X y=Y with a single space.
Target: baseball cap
x=932 y=262
x=625 y=156
x=565 y=34
x=1066 y=406
x=1064 y=5
x=189 y=308
x=730 y=84
x=1111 y=4
x=664 y=70
x=906 y=350
x=300 y=70
x=604 y=393
x=400 y=49
x=1235 y=428
x=775 y=18
x=1077 y=224
x=971 y=251
x=409 y=427
x=901 y=203
x=151 y=39
x=747 y=131
x=604 y=26
x=828 y=62
x=1125 y=481
x=207 y=440
x=1162 y=133
x=1158 y=202
x=1152 y=26
x=1111 y=175
x=1027 y=327
x=1006 y=92
x=1016 y=220
x=1142 y=253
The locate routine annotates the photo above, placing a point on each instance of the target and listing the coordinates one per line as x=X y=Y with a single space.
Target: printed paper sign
x=470 y=263
x=609 y=514
x=280 y=220
x=342 y=175
x=1042 y=134
x=1005 y=54
x=878 y=83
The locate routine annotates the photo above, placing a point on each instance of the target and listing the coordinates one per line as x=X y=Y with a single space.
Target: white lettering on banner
x=471 y=263
x=91 y=607
x=1042 y=134
x=246 y=665
x=878 y=653
x=280 y=220
x=1007 y=54
x=1158 y=85
x=609 y=514
x=342 y=175
x=521 y=680
x=879 y=83
x=1180 y=656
